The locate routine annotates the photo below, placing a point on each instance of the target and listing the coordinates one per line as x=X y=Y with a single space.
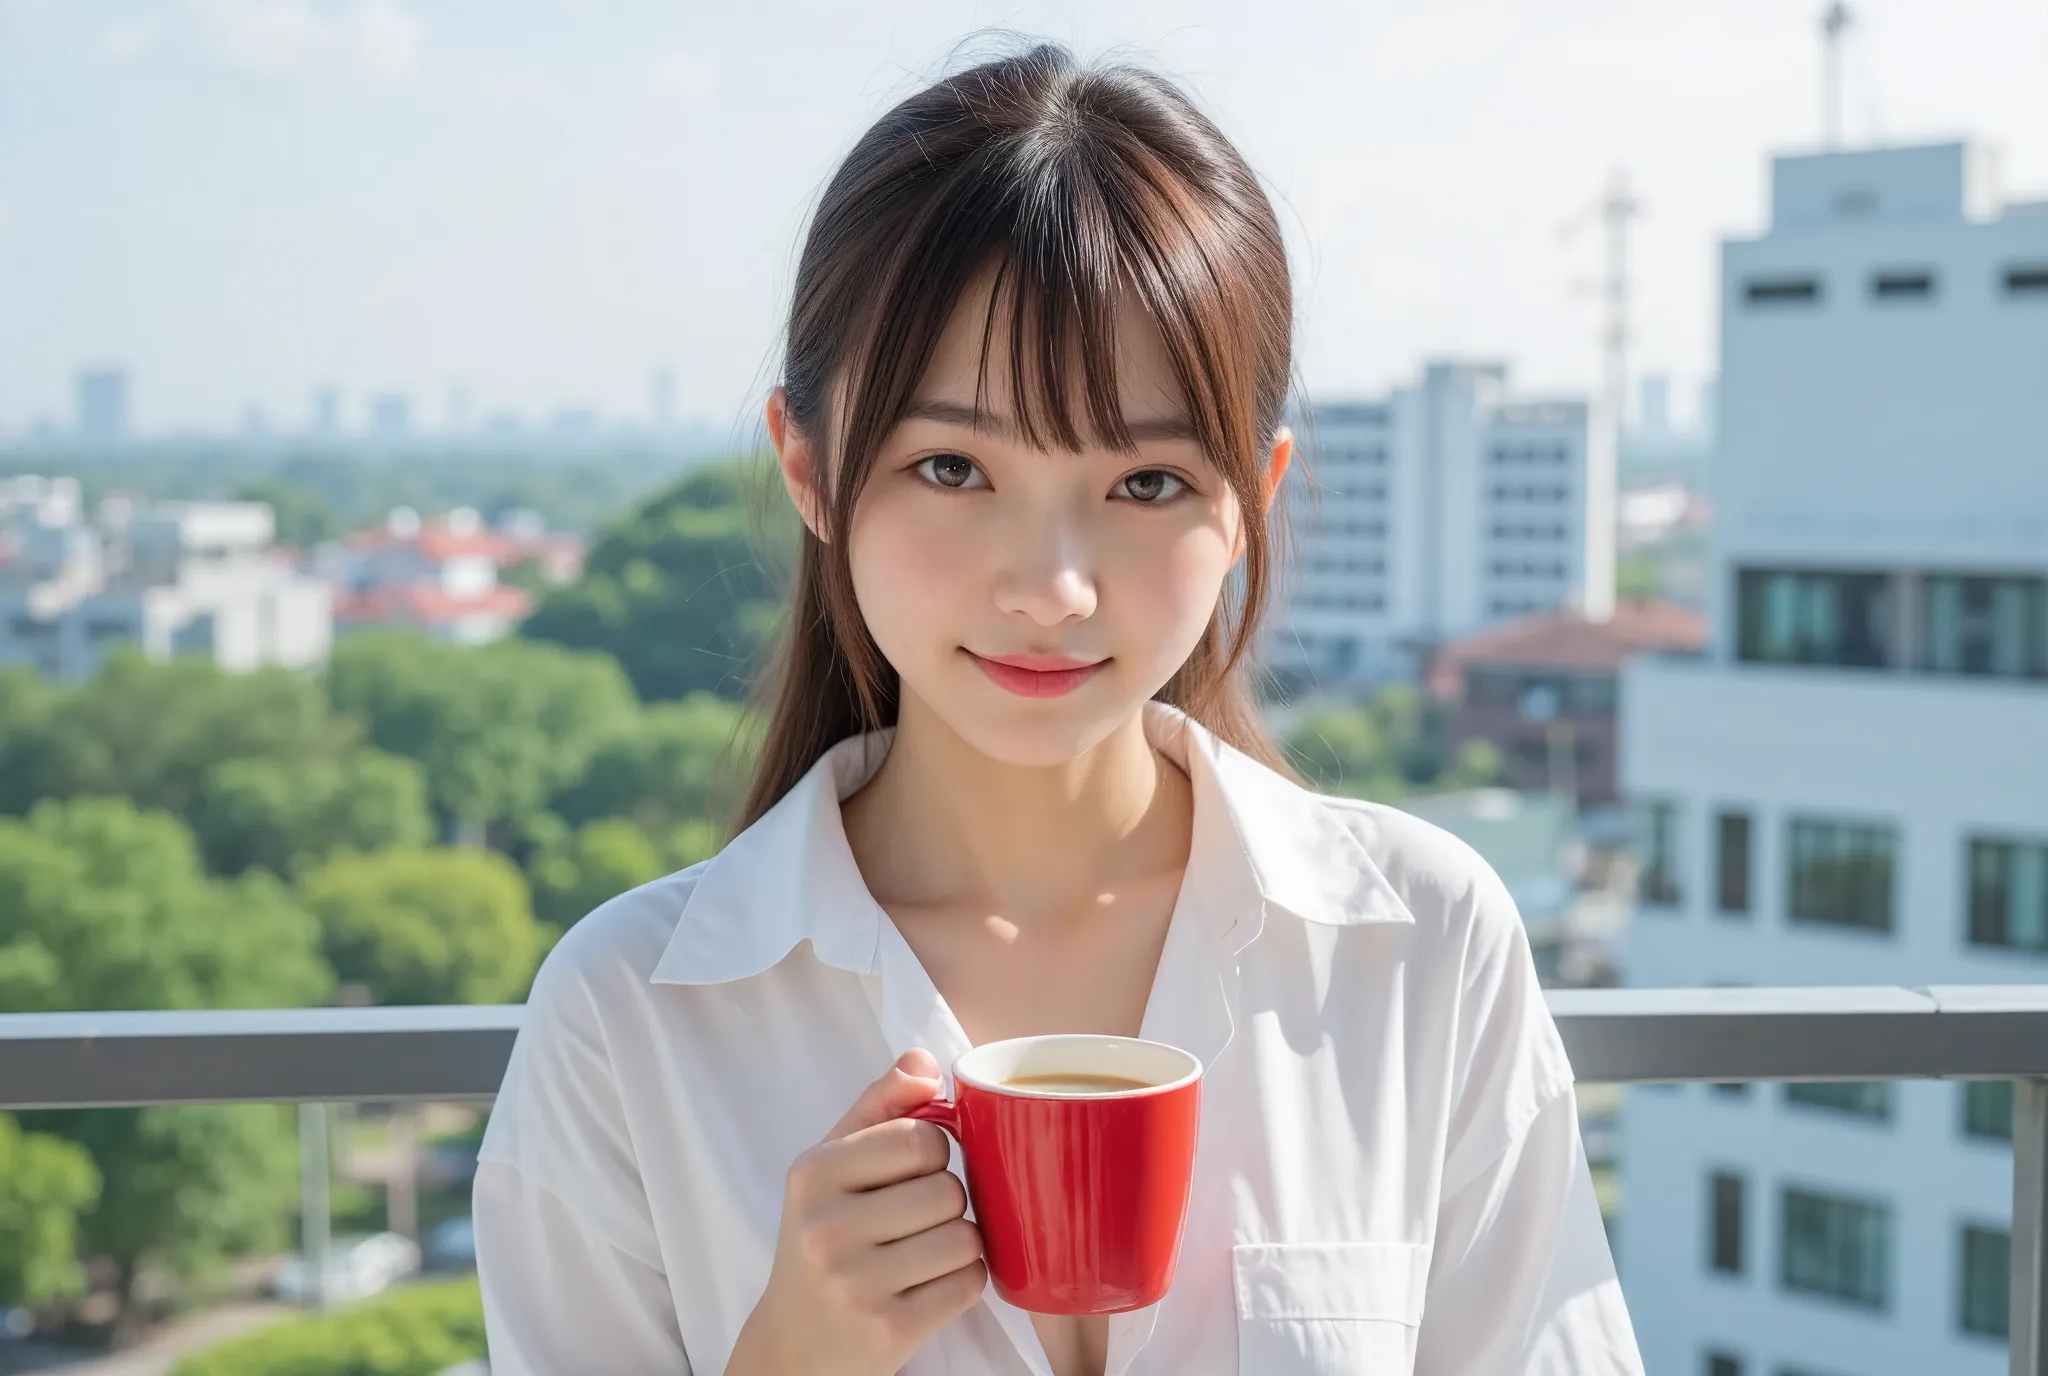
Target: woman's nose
x=1048 y=578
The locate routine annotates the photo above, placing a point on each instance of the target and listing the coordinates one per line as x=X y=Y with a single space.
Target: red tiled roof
x=1566 y=640
x=425 y=604
x=436 y=542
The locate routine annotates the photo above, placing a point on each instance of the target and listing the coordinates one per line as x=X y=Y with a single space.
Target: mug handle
x=945 y=1112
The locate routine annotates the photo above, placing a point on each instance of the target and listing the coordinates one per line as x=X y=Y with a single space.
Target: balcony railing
x=325 y=1055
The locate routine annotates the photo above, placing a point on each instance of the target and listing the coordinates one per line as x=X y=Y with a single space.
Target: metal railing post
x=313 y=1199
x=2029 y=1313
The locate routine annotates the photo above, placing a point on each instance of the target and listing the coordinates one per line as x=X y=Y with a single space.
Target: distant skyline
x=541 y=206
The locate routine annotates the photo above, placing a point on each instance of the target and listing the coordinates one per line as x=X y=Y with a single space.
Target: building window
x=1996 y=627
x=1985 y=1289
x=1660 y=881
x=1491 y=686
x=2027 y=279
x=1987 y=1110
x=1790 y=617
x=1591 y=694
x=1782 y=291
x=1724 y=1223
x=1860 y=1098
x=1840 y=873
x=1721 y=1364
x=1916 y=284
x=2009 y=894
x=1731 y=847
x=1836 y=1247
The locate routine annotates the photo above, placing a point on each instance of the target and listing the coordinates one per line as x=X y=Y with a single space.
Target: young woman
x=1013 y=783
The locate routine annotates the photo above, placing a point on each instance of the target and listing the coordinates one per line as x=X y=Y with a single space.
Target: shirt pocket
x=1318 y=1309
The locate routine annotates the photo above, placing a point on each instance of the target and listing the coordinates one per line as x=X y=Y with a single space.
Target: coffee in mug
x=1075 y=1084
x=1080 y=1153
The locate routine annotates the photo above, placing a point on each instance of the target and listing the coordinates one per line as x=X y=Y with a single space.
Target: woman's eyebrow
x=1000 y=426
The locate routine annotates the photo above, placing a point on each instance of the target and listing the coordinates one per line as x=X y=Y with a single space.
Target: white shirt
x=1389 y=1177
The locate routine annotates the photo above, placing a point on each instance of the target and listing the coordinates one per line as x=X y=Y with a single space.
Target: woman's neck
x=943 y=825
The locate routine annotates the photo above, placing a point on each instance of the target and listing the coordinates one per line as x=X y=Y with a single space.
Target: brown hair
x=1075 y=184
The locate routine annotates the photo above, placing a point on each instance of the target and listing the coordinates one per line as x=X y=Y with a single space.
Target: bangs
x=1066 y=227
x=1078 y=198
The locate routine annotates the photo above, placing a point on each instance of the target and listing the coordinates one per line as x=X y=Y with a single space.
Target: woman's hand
x=875 y=1253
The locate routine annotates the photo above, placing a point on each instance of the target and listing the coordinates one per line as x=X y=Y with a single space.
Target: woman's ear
x=1277 y=464
x=797 y=458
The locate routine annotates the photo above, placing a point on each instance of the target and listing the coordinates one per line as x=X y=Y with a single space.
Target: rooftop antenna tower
x=1834 y=31
x=1615 y=207
x=1618 y=205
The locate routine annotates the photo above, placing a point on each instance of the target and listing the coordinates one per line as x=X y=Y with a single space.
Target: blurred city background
x=383 y=572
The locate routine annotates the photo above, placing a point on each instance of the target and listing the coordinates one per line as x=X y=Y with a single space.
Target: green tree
x=683 y=592
x=600 y=860
x=1639 y=577
x=421 y=1330
x=152 y=731
x=304 y=517
x=1413 y=730
x=24 y=701
x=104 y=906
x=1345 y=750
x=1477 y=765
x=669 y=763
x=499 y=729
x=691 y=842
x=443 y=925
x=261 y=812
x=1384 y=747
x=45 y=1184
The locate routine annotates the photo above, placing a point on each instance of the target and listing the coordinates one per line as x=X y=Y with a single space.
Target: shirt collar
x=791 y=876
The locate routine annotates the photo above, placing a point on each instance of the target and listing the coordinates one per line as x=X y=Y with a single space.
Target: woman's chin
x=1033 y=733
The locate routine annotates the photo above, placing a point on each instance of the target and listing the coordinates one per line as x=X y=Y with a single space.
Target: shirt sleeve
x=558 y=1297
x=566 y=1248
x=1521 y=1282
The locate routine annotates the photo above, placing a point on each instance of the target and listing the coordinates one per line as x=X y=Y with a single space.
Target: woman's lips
x=1037 y=676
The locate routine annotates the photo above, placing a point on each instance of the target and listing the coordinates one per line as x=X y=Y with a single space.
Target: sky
x=541 y=202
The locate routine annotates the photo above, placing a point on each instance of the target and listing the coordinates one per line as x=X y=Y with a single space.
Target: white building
x=1443 y=509
x=179 y=578
x=1852 y=788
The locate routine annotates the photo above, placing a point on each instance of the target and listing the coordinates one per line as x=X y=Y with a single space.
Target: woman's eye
x=1150 y=485
x=952 y=470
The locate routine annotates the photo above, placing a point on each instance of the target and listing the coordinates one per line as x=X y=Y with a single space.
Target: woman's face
x=1034 y=600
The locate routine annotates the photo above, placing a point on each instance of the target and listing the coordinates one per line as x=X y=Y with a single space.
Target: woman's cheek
x=1197 y=564
x=905 y=573
x=1174 y=589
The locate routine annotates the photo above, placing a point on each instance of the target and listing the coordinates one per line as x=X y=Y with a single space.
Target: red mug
x=1080 y=1195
